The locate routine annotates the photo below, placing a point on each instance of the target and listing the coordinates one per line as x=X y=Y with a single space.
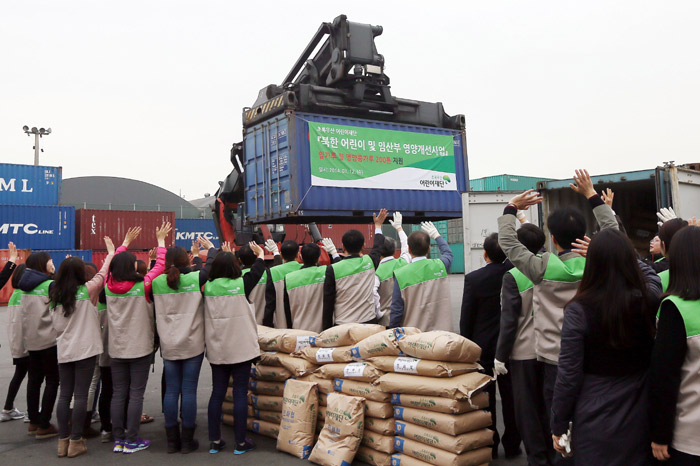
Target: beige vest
x=78 y=335
x=354 y=282
x=278 y=273
x=37 y=324
x=179 y=317
x=305 y=291
x=131 y=324
x=230 y=329
x=14 y=326
x=425 y=290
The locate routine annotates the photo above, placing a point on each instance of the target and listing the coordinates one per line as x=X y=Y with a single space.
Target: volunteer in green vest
x=258 y=297
x=303 y=292
x=131 y=338
x=77 y=325
x=274 y=293
x=657 y=261
x=347 y=291
x=40 y=341
x=15 y=338
x=516 y=343
x=666 y=233
x=231 y=335
x=421 y=296
x=674 y=404
x=555 y=277
x=384 y=278
x=177 y=296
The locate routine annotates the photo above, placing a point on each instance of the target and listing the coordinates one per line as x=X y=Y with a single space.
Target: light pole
x=41 y=132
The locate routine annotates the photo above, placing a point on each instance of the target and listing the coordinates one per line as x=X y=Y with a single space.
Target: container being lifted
x=332 y=144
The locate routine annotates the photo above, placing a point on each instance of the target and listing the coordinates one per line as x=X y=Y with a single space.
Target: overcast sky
x=154 y=90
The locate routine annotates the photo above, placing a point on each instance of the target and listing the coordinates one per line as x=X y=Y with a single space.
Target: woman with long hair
x=606 y=345
x=232 y=341
x=131 y=339
x=77 y=325
x=180 y=322
x=40 y=342
x=675 y=369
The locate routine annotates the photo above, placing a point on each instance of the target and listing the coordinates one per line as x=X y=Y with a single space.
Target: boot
x=77 y=447
x=173 y=435
x=63 y=447
x=189 y=443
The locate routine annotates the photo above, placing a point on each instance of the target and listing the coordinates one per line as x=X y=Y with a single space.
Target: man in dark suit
x=480 y=322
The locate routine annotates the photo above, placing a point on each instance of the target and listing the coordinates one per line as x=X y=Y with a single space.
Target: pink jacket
x=97 y=283
x=122 y=287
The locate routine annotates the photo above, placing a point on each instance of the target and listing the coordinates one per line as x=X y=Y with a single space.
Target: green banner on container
x=357 y=157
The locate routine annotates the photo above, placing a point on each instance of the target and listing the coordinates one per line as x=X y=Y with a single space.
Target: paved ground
x=16 y=448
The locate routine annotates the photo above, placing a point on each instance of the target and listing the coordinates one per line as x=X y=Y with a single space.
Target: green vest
x=130 y=323
x=425 y=292
x=352 y=266
x=665 y=278
x=16 y=298
x=189 y=283
x=80 y=295
x=420 y=272
x=306 y=276
x=225 y=287
x=138 y=290
x=280 y=271
x=262 y=280
x=569 y=271
x=386 y=269
x=690 y=312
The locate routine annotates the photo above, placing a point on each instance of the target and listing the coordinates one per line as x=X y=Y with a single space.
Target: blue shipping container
x=30 y=184
x=283 y=179
x=188 y=229
x=60 y=256
x=37 y=227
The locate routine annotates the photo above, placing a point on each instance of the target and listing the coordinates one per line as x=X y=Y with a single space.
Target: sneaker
x=95 y=417
x=118 y=446
x=11 y=415
x=136 y=445
x=48 y=432
x=244 y=447
x=26 y=417
x=216 y=447
x=105 y=437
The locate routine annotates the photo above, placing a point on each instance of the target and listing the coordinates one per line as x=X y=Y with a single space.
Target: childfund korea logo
x=436 y=181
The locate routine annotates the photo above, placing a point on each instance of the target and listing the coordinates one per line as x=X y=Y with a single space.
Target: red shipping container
x=337 y=230
x=92 y=225
x=7 y=290
x=98 y=257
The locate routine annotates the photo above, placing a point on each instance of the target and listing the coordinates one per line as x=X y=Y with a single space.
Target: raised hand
x=257 y=250
x=329 y=246
x=379 y=219
x=272 y=247
x=131 y=234
x=580 y=246
x=162 y=233
x=109 y=245
x=664 y=215
x=153 y=254
x=524 y=200
x=430 y=229
x=226 y=247
x=13 y=252
x=607 y=195
x=396 y=221
x=583 y=184
x=205 y=243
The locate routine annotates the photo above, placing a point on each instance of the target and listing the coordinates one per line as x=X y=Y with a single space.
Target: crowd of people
x=596 y=353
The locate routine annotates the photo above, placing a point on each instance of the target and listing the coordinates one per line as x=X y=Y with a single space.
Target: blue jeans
x=181 y=378
x=220 y=375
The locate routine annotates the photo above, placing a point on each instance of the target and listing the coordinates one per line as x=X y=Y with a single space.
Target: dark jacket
x=481 y=308
x=6 y=273
x=31 y=279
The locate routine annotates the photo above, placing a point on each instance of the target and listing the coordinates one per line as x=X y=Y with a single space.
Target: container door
x=685 y=192
x=484 y=209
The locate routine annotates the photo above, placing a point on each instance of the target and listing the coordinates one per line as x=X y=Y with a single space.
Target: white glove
x=565 y=441
x=499 y=368
x=521 y=216
x=329 y=246
x=430 y=229
x=396 y=221
x=271 y=246
x=665 y=215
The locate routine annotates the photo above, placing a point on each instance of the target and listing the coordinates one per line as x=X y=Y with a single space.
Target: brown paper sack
x=479 y=400
x=268 y=429
x=263 y=415
x=383 y=343
x=285 y=340
x=346 y=335
x=461 y=387
x=229 y=394
x=266 y=403
x=299 y=367
x=440 y=346
x=324 y=385
x=326 y=355
x=269 y=358
x=457 y=444
x=373 y=457
x=424 y=367
x=382 y=443
x=299 y=411
x=261 y=387
x=439 y=457
x=321 y=414
x=323 y=399
x=450 y=424
x=270 y=373
x=380 y=426
x=227 y=407
x=363 y=389
x=362 y=371
x=340 y=438
x=378 y=410
x=227 y=419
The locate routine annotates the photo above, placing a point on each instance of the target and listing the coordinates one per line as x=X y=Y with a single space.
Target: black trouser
x=681 y=459
x=76 y=378
x=550 y=378
x=531 y=415
x=511 y=436
x=43 y=365
x=21 y=368
x=106 y=391
x=129 y=379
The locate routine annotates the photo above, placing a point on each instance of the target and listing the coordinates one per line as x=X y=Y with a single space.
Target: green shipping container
x=505 y=183
x=457 y=253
